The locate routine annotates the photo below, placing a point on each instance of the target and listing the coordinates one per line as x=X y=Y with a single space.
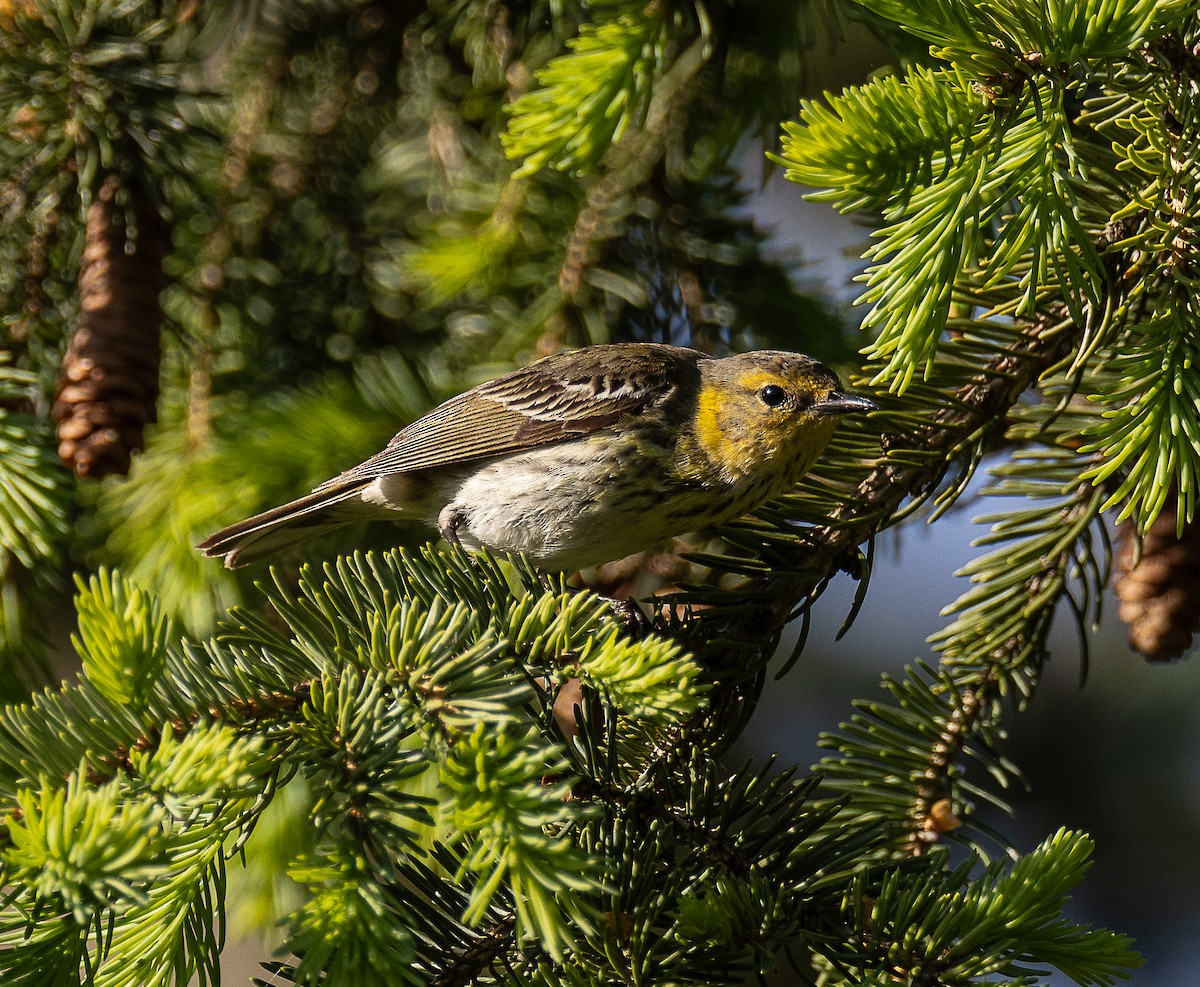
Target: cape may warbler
x=583 y=457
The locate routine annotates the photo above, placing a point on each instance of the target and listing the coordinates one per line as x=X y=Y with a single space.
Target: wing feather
x=549 y=401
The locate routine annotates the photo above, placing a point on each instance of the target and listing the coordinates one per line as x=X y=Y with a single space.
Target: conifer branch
x=974 y=679
x=489 y=945
x=978 y=409
x=453 y=831
x=982 y=675
x=630 y=162
x=237 y=713
x=956 y=732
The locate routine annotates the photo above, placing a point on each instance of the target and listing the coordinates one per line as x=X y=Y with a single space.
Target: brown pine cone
x=109 y=382
x=1160 y=595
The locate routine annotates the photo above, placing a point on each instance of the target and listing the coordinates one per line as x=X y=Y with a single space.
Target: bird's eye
x=773 y=395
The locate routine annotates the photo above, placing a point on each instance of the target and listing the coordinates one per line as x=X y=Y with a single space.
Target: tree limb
x=978 y=410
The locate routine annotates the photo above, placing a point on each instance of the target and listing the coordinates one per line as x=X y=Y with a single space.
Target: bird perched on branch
x=583 y=457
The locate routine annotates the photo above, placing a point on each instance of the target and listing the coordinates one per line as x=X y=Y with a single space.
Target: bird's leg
x=449 y=521
x=637 y=624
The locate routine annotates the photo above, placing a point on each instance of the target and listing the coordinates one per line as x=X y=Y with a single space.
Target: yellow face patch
x=708 y=422
x=736 y=432
x=730 y=427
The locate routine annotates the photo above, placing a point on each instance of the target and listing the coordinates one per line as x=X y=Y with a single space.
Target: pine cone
x=1160 y=595
x=109 y=382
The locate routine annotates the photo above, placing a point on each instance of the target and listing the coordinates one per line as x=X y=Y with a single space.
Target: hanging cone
x=1160 y=594
x=109 y=381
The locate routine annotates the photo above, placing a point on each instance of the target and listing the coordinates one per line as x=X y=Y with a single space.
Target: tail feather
x=265 y=533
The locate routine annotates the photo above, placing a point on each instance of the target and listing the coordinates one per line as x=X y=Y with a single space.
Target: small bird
x=583 y=457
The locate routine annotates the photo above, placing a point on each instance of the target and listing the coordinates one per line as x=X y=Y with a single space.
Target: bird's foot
x=449 y=521
x=637 y=624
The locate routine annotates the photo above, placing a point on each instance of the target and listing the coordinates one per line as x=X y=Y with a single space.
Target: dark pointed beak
x=843 y=404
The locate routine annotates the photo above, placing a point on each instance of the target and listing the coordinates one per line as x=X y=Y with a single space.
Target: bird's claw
x=637 y=624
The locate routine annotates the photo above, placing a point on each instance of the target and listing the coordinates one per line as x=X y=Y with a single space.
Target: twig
x=493 y=941
x=630 y=162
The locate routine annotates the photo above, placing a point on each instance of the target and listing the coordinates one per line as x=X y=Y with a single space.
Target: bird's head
x=768 y=412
